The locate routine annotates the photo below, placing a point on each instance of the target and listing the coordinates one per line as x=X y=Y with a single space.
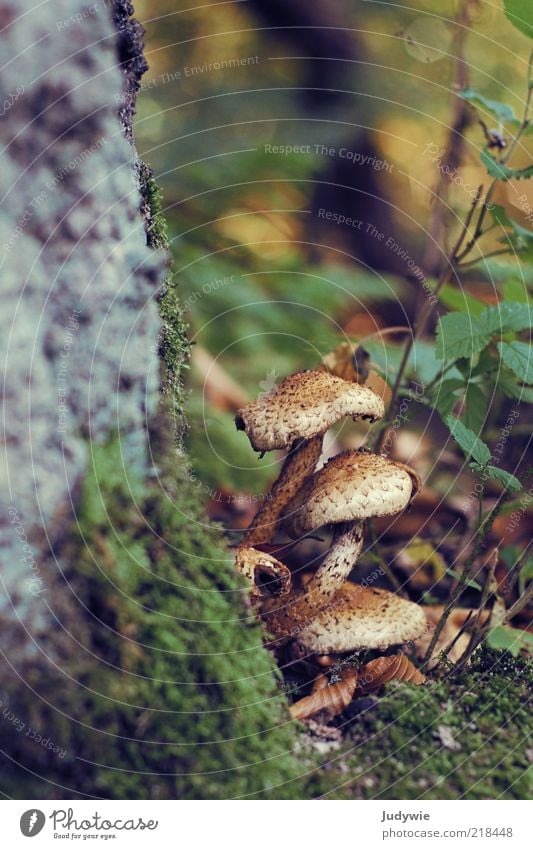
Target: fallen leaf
x=422 y=562
x=328 y=698
x=455 y=622
x=376 y=673
x=428 y=515
x=447 y=739
x=347 y=361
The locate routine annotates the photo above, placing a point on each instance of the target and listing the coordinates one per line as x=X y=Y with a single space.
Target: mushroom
x=354 y=485
x=298 y=609
x=295 y=415
x=351 y=487
x=363 y=618
x=298 y=465
x=305 y=405
x=267 y=575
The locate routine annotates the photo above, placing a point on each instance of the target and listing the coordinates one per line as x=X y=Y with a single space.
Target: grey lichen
x=79 y=318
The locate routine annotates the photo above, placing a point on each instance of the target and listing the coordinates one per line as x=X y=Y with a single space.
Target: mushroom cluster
x=330 y=615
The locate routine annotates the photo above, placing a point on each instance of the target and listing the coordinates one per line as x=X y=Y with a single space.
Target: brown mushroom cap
x=258 y=566
x=352 y=486
x=304 y=405
x=363 y=617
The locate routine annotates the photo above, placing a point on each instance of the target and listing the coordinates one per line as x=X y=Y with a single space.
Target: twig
x=478 y=232
x=459 y=634
x=464 y=266
x=519 y=605
x=467 y=570
x=468 y=221
x=437 y=223
x=513 y=611
x=515 y=571
x=477 y=631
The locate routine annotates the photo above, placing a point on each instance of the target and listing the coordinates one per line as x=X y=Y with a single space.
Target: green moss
x=152 y=209
x=173 y=347
x=210 y=717
x=396 y=750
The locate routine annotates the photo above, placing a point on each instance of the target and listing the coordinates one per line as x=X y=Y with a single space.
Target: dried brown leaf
x=449 y=634
x=328 y=698
x=376 y=673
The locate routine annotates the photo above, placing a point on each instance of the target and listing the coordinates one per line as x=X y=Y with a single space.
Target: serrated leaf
x=518 y=356
x=503 y=113
x=520 y=14
x=486 y=364
x=460 y=335
x=476 y=408
x=504 y=477
x=507 y=316
x=515 y=236
x=446 y=397
x=499 y=171
x=471 y=444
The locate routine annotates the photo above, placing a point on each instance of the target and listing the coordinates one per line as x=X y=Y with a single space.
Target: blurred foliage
x=265 y=283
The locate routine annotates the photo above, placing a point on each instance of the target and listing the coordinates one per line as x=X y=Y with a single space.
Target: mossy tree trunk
x=130 y=666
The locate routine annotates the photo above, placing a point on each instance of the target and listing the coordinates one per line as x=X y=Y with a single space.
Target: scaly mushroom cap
x=352 y=486
x=304 y=405
x=363 y=618
x=262 y=568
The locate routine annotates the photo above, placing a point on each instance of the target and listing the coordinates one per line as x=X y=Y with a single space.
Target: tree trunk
x=130 y=667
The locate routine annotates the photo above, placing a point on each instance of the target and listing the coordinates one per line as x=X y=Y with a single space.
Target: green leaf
x=460 y=335
x=499 y=171
x=503 y=113
x=518 y=356
x=518 y=237
x=515 y=290
x=520 y=14
x=446 y=397
x=486 y=364
x=461 y=301
x=504 y=477
x=471 y=444
x=507 y=316
x=508 y=385
x=476 y=408
x=510 y=639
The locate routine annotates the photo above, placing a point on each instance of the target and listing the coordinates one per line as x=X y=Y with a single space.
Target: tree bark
x=129 y=667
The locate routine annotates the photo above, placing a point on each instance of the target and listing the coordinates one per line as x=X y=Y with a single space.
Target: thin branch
x=483 y=533
x=519 y=605
x=477 y=631
x=479 y=232
x=459 y=634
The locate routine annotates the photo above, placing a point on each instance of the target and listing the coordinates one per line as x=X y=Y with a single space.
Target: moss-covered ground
x=177 y=698
x=463 y=736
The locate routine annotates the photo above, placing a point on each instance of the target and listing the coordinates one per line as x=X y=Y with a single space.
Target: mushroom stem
x=339 y=562
x=297 y=610
x=299 y=464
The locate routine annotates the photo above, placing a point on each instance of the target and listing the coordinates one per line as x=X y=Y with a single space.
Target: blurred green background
x=268 y=283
